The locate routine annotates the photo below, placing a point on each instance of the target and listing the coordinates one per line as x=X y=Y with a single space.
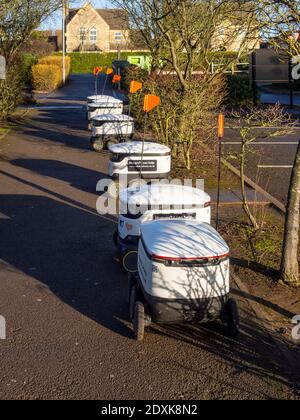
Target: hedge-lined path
x=75 y=92
x=64 y=297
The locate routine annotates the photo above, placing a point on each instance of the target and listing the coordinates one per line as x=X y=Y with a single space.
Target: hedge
x=46 y=77
x=225 y=57
x=47 y=73
x=57 y=61
x=82 y=63
x=239 y=90
x=27 y=61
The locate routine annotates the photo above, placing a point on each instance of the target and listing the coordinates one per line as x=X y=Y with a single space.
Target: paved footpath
x=64 y=297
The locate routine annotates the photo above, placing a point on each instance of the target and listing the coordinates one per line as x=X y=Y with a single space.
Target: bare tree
x=181 y=35
x=281 y=22
x=290 y=264
x=262 y=123
x=18 y=19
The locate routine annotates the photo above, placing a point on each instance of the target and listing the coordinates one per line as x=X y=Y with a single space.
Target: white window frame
x=93 y=35
x=118 y=36
x=82 y=34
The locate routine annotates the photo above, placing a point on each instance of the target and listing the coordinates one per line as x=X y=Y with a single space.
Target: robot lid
x=161 y=194
x=100 y=98
x=113 y=118
x=178 y=240
x=105 y=104
x=135 y=149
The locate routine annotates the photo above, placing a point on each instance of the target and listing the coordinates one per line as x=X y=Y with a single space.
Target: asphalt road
x=276 y=97
x=64 y=296
x=269 y=160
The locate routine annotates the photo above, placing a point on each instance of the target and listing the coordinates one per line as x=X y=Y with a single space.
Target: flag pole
x=221 y=132
x=64 y=42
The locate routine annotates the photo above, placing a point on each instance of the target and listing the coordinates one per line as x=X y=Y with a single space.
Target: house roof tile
x=117 y=19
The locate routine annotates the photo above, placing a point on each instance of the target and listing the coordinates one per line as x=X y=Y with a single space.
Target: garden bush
x=10 y=90
x=82 y=63
x=47 y=73
x=226 y=57
x=133 y=73
x=239 y=90
x=57 y=61
x=46 y=77
x=27 y=61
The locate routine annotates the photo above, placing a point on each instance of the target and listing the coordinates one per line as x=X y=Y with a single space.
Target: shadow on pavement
x=78 y=177
x=68 y=129
x=253 y=352
x=74 y=120
x=70 y=251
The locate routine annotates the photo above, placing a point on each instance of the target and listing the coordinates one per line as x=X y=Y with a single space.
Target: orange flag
x=97 y=71
x=221 y=126
x=151 y=102
x=116 y=79
x=109 y=71
x=135 y=86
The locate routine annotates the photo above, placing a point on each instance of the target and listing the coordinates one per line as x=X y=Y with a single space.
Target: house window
x=82 y=34
x=118 y=36
x=93 y=35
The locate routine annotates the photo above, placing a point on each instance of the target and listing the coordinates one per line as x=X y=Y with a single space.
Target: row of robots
x=178 y=265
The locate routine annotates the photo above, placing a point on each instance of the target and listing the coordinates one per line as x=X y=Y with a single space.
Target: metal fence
x=235 y=68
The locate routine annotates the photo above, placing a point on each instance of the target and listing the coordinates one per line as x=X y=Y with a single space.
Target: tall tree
x=290 y=264
x=281 y=23
x=181 y=35
x=18 y=19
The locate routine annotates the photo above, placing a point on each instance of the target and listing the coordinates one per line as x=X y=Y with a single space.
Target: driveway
x=64 y=296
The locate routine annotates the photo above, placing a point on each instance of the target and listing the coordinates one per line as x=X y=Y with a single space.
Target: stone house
x=233 y=36
x=103 y=30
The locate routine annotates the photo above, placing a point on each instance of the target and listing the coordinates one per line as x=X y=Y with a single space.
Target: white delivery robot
x=183 y=276
x=99 y=98
x=157 y=201
x=139 y=160
x=110 y=129
x=110 y=106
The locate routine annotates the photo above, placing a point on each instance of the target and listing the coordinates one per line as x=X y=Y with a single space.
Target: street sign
x=2 y=68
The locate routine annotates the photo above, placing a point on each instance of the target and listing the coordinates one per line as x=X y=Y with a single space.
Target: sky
x=54 y=22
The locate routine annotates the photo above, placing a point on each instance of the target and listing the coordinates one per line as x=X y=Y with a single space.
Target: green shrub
x=47 y=73
x=82 y=63
x=27 y=61
x=57 y=61
x=133 y=73
x=10 y=90
x=46 y=77
x=239 y=90
x=226 y=57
